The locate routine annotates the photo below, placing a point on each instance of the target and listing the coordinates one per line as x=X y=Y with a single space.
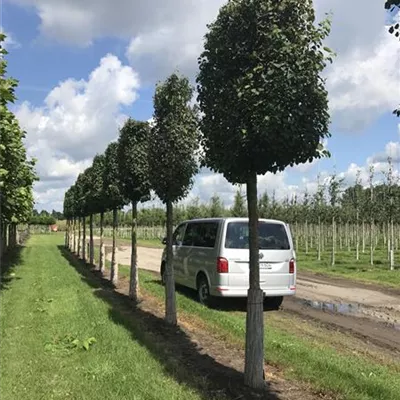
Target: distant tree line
x=45 y=218
x=349 y=204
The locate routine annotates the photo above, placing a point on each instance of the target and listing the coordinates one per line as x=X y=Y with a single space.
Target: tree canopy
x=173 y=140
x=133 y=160
x=17 y=173
x=111 y=178
x=265 y=105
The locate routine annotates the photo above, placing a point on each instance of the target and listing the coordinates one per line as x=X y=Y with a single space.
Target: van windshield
x=271 y=236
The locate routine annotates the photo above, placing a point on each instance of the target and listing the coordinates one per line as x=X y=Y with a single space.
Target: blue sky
x=106 y=67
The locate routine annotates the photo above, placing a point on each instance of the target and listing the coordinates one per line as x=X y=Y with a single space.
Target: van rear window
x=271 y=236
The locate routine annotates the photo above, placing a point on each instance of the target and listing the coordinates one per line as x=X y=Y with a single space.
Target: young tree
x=371 y=212
x=216 y=208
x=265 y=107
x=389 y=209
x=334 y=191
x=264 y=206
x=172 y=160
x=318 y=208
x=305 y=210
x=115 y=200
x=239 y=207
x=133 y=168
x=194 y=209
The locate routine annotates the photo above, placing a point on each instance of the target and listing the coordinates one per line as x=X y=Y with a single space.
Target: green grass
x=347 y=266
x=153 y=243
x=313 y=362
x=47 y=314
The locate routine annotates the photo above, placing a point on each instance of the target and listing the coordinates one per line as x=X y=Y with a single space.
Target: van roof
x=232 y=219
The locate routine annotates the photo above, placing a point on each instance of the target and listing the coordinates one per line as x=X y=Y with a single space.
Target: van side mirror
x=164 y=241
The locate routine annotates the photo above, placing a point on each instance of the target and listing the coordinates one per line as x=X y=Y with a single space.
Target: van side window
x=190 y=233
x=177 y=237
x=201 y=234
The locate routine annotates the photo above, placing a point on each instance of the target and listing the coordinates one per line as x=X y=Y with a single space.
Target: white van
x=211 y=255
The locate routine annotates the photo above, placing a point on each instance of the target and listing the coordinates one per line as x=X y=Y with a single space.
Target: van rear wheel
x=162 y=273
x=273 y=303
x=203 y=291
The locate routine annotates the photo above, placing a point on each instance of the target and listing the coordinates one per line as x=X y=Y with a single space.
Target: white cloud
x=79 y=118
x=10 y=42
x=365 y=83
x=163 y=35
x=167 y=35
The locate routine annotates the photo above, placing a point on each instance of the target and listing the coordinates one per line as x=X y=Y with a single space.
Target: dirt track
x=367 y=311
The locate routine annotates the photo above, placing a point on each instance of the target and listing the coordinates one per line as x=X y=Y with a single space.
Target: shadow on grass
x=218 y=303
x=9 y=261
x=171 y=346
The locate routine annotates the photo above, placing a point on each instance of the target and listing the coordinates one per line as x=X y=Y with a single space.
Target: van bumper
x=226 y=291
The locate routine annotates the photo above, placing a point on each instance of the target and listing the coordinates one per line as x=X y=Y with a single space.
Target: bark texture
x=254 y=357
x=170 y=300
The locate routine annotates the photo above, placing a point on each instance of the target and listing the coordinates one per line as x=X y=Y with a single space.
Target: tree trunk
x=134 y=278
x=102 y=261
x=12 y=235
x=84 y=239
x=73 y=239
x=392 y=245
x=91 y=245
x=79 y=237
x=319 y=238
x=363 y=237
x=372 y=244
x=170 y=300
x=254 y=357
x=389 y=247
x=3 y=231
x=114 y=261
x=357 y=239
x=67 y=231
x=306 y=236
x=66 y=235
x=333 y=241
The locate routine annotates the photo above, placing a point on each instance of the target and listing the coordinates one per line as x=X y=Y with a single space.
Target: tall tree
x=172 y=160
x=115 y=200
x=265 y=107
x=17 y=173
x=81 y=192
x=99 y=197
x=68 y=212
x=134 y=176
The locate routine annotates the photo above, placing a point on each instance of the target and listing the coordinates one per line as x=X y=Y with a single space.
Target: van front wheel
x=203 y=291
